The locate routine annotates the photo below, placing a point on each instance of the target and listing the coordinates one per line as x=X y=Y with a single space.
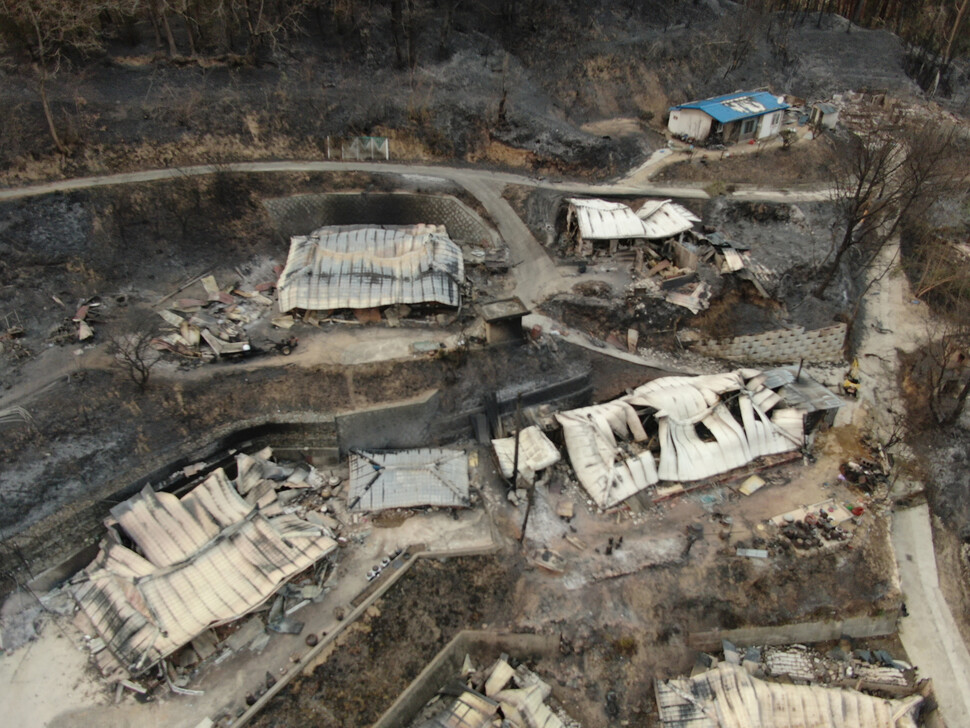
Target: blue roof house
x=729 y=119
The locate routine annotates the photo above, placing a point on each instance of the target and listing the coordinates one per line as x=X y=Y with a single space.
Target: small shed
x=824 y=116
x=729 y=119
x=503 y=319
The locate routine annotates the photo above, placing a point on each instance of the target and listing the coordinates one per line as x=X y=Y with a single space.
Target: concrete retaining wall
x=389 y=427
x=798 y=633
x=484 y=647
x=780 y=346
x=301 y=214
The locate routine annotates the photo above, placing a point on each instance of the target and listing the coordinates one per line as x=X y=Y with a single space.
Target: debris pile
x=789 y=687
x=76 y=326
x=171 y=569
x=506 y=694
x=219 y=321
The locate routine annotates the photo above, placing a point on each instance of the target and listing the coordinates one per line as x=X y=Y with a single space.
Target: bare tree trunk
x=172 y=48
x=834 y=268
x=49 y=115
x=945 y=62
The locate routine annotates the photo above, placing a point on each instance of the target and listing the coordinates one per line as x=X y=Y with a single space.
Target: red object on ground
x=858 y=511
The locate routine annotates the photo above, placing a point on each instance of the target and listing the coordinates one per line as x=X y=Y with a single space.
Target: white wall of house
x=770 y=124
x=692 y=122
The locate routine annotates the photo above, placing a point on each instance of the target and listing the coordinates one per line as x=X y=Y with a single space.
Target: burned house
x=680 y=429
x=729 y=119
x=172 y=567
x=728 y=695
x=371 y=266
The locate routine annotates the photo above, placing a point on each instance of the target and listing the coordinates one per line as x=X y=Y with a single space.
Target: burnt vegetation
x=132 y=84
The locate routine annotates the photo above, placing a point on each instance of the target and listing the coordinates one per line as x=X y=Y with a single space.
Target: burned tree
x=48 y=33
x=132 y=349
x=880 y=181
x=943 y=365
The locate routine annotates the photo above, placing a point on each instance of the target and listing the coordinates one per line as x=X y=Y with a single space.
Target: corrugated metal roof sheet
x=664 y=219
x=469 y=710
x=603 y=220
x=728 y=697
x=536 y=452
x=365 y=266
x=610 y=474
x=407 y=479
x=209 y=558
x=741 y=105
x=655 y=220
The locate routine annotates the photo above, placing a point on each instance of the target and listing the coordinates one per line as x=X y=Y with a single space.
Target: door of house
x=748 y=127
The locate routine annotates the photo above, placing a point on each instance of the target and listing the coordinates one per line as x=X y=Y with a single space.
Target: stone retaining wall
x=301 y=214
x=799 y=633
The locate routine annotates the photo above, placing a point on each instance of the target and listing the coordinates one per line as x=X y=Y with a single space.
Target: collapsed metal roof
x=205 y=559
x=655 y=220
x=536 y=452
x=728 y=697
x=366 y=266
x=664 y=219
x=603 y=220
x=611 y=473
x=408 y=479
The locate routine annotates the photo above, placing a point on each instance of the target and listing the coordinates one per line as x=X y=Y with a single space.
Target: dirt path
x=461 y=175
x=930 y=635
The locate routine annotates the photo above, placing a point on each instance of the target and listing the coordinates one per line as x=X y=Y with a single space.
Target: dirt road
x=463 y=176
x=931 y=637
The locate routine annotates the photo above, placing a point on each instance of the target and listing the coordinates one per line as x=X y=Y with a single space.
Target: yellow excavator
x=850 y=385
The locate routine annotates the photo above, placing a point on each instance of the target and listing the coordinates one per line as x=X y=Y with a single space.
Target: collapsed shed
x=369 y=266
x=195 y=562
x=699 y=426
x=408 y=479
x=728 y=697
x=591 y=221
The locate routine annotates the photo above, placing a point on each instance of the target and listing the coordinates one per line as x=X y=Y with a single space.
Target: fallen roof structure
x=514 y=697
x=603 y=220
x=408 y=479
x=664 y=219
x=202 y=560
x=367 y=266
x=728 y=697
x=706 y=425
x=536 y=452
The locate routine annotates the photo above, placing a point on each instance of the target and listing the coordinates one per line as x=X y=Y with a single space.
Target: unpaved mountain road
x=461 y=175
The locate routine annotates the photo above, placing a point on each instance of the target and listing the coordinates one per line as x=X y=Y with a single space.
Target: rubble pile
x=840 y=666
x=507 y=694
x=219 y=321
